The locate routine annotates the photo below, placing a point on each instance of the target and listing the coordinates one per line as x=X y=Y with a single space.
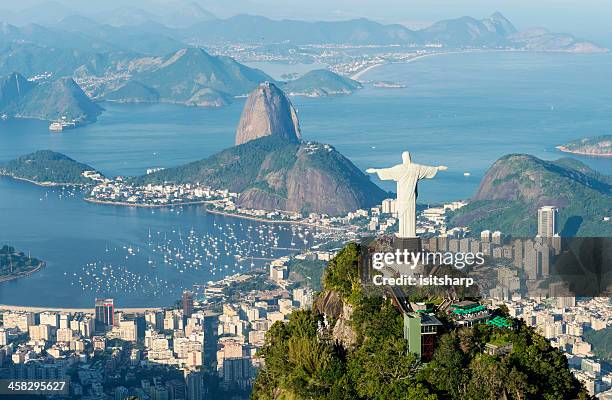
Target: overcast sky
x=590 y=19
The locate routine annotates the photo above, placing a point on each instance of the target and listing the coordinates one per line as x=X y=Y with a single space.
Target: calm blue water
x=464 y=111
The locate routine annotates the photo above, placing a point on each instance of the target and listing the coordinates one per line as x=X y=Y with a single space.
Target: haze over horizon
x=587 y=19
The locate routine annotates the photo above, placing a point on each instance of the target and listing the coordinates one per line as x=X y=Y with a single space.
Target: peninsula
x=14 y=264
x=48 y=168
x=598 y=146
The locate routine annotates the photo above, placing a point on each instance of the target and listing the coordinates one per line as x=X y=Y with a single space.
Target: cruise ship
x=61 y=125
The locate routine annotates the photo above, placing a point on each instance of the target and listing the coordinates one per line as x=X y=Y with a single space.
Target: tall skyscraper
x=105 y=312
x=187 y=303
x=547 y=221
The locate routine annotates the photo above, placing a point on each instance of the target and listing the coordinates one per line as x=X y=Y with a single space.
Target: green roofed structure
x=468 y=313
x=499 y=322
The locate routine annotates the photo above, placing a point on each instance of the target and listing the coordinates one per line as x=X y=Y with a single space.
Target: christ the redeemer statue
x=407 y=175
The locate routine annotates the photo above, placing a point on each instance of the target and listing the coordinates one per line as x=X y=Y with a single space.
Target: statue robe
x=407 y=176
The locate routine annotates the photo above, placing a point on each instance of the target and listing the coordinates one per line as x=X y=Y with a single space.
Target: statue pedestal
x=411 y=244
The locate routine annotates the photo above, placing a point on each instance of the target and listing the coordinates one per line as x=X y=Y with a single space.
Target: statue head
x=406 y=157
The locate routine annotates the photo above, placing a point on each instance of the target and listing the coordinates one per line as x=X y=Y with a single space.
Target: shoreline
x=125 y=204
x=8 y=278
x=580 y=153
x=362 y=72
x=272 y=221
x=45 y=184
x=212 y=211
x=7 y=307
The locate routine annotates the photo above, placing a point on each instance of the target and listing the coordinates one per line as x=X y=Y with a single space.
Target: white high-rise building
x=547 y=221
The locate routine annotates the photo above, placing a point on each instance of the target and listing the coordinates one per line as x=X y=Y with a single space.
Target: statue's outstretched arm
x=384 y=174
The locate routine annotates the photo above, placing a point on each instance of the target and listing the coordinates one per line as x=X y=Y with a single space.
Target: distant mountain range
x=51 y=100
x=121 y=60
x=492 y=32
x=136 y=30
x=517 y=184
x=189 y=76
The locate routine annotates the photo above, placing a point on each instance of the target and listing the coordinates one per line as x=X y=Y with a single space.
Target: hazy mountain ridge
x=148 y=33
x=191 y=76
x=48 y=100
x=494 y=31
x=517 y=184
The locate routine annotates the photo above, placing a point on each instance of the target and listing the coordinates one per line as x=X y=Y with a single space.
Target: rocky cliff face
x=315 y=178
x=268 y=112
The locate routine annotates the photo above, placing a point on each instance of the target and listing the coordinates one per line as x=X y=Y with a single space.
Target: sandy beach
x=361 y=73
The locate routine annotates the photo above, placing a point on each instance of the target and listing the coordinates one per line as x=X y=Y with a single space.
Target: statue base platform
x=411 y=244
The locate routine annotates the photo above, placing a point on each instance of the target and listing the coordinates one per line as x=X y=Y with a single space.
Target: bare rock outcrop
x=268 y=112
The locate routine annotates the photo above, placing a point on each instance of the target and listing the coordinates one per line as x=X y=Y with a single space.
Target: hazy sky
x=590 y=19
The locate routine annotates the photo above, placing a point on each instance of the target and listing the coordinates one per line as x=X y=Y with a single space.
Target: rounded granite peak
x=268 y=112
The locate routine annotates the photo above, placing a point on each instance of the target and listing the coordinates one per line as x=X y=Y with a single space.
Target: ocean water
x=462 y=110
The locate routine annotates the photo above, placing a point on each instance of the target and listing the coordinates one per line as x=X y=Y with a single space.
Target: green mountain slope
x=133 y=92
x=192 y=76
x=47 y=167
x=13 y=87
x=272 y=173
x=517 y=184
x=320 y=82
x=358 y=351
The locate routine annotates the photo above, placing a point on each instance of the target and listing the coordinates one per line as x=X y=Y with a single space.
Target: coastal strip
x=362 y=72
x=274 y=221
x=212 y=211
x=359 y=74
x=6 y=307
x=44 y=184
x=144 y=205
x=582 y=153
x=22 y=274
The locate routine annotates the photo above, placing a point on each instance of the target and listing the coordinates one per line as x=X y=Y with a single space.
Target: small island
x=14 y=264
x=321 y=83
x=388 y=85
x=48 y=168
x=599 y=146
